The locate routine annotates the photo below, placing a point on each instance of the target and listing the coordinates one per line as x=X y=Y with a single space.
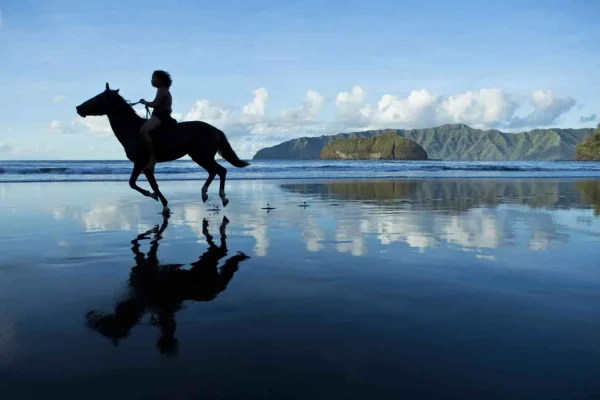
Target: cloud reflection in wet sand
x=387 y=283
x=478 y=216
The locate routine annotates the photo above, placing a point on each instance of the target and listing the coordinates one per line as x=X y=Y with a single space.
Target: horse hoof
x=154 y=196
x=204 y=197
x=166 y=210
x=225 y=201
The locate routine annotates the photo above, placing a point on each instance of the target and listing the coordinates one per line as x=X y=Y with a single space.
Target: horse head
x=100 y=104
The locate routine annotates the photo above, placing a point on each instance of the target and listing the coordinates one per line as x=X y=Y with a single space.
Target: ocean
x=183 y=170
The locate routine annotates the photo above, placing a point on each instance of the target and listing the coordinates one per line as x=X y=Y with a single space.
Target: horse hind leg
x=213 y=168
x=222 y=172
x=211 y=176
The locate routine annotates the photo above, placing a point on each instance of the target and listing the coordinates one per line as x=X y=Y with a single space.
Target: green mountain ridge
x=456 y=142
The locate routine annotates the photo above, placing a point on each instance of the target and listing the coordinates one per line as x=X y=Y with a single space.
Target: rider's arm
x=160 y=95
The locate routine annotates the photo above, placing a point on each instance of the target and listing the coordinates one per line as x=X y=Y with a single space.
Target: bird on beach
x=268 y=207
x=215 y=209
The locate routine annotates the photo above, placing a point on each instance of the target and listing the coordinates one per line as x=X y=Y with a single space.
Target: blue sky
x=268 y=71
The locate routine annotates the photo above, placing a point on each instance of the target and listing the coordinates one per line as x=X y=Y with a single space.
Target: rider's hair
x=164 y=78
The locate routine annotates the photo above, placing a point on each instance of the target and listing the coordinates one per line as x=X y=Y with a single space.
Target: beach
x=299 y=200
x=435 y=287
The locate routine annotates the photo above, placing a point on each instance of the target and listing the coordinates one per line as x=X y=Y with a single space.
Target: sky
x=269 y=71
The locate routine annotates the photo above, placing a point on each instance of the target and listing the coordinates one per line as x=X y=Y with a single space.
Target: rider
x=161 y=115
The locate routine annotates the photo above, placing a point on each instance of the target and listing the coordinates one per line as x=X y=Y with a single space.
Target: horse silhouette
x=161 y=289
x=199 y=140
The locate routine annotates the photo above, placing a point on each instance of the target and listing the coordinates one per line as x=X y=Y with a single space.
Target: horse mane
x=121 y=102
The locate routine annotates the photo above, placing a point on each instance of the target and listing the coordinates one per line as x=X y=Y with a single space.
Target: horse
x=200 y=140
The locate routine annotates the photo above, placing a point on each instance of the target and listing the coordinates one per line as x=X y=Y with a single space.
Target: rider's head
x=161 y=79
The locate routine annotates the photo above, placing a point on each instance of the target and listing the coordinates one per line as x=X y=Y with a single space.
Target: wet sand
x=383 y=289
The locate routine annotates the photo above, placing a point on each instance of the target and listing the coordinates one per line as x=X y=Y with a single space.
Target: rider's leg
x=150 y=125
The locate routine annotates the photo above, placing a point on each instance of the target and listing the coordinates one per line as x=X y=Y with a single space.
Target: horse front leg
x=154 y=185
x=137 y=170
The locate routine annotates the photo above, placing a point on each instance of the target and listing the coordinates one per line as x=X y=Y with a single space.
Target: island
x=589 y=149
x=453 y=142
x=388 y=146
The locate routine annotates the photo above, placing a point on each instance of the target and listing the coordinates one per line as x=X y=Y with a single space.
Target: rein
x=130 y=104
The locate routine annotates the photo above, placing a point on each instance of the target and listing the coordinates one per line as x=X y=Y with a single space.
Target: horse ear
x=117 y=91
x=107 y=87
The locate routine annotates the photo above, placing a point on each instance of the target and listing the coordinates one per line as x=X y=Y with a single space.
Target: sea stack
x=388 y=146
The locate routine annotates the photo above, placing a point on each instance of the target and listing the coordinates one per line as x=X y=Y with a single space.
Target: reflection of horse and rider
x=161 y=289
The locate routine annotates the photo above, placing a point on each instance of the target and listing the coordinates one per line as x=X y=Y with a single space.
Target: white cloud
x=547 y=108
x=255 y=111
x=589 y=118
x=5 y=148
x=350 y=104
x=484 y=108
x=62 y=128
x=251 y=126
x=204 y=110
x=58 y=98
x=252 y=118
x=311 y=106
x=41 y=148
x=417 y=109
x=98 y=126
x=248 y=146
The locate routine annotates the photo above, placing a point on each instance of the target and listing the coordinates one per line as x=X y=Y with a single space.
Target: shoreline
x=187 y=170
x=313 y=179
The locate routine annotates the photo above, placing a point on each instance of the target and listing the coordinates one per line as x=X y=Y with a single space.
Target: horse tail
x=226 y=151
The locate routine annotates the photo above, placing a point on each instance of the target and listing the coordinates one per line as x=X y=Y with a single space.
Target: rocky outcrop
x=388 y=146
